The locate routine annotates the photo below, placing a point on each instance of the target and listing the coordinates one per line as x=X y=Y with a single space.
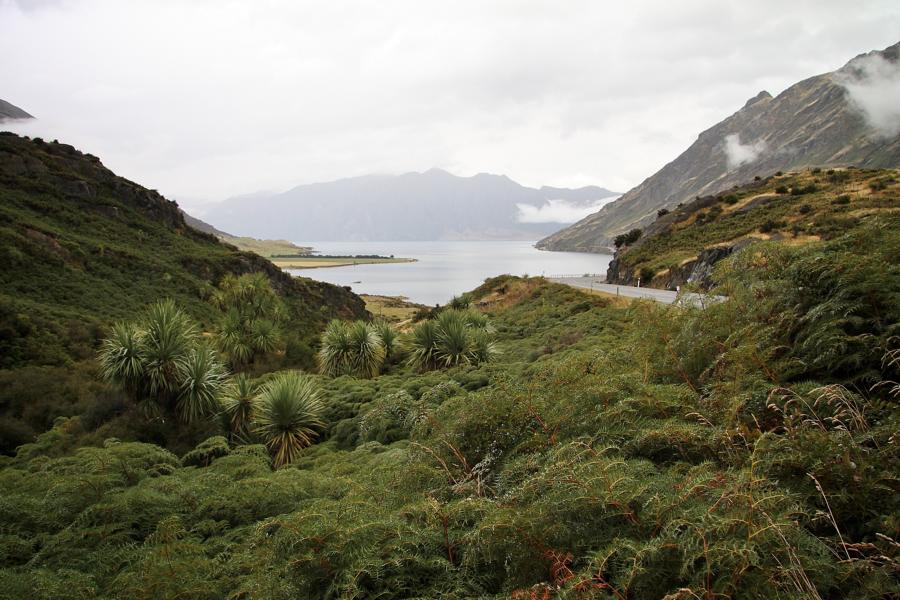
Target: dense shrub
x=841 y=200
x=770 y=225
x=626 y=239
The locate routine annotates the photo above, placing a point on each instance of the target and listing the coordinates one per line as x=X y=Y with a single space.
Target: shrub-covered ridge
x=683 y=244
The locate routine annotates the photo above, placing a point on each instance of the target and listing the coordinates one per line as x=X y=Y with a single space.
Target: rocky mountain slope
x=832 y=119
x=682 y=246
x=82 y=247
x=265 y=248
x=10 y=112
x=203 y=226
x=434 y=205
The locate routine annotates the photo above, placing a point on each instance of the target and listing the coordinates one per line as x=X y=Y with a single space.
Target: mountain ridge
x=430 y=205
x=812 y=123
x=11 y=112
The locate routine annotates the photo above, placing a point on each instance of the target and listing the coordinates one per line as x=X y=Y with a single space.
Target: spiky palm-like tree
x=484 y=348
x=251 y=292
x=454 y=345
x=452 y=317
x=388 y=336
x=423 y=345
x=460 y=302
x=264 y=335
x=453 y=338
x=289 y=415
x=203 y=378
x=477 y=320
x=239 y=405
x=168 y=336
x=367 y=348
x=121 y=357
x=336 y=352
x=252 y=311
x=232 y=340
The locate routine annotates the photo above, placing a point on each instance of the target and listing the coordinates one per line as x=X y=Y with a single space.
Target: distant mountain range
x=11 y=112
x=434 y=205
x=845 y=118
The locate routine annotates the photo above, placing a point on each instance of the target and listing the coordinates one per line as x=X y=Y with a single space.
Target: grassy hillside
x=796 y=208
x=637 y=453
x=82 y=248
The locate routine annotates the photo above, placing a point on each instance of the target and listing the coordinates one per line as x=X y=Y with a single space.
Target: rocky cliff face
x=821 y=121
x=697 y=271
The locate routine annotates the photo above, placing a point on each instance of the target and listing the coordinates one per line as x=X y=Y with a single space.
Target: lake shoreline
x=328 y=262
x=444 y=269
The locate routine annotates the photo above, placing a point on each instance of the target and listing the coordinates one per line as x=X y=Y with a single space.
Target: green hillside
x=796 y=208
x=742 y=451
x=82 y=248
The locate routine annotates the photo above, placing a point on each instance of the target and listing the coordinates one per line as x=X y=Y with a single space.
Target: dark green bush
x=769 y=226
x=627 y=239
x=841 y=200
x=206 y=452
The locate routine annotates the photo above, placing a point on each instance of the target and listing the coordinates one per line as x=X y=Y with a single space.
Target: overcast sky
x=209 y=99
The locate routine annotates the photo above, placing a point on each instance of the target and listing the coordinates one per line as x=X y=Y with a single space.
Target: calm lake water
x=445 y=269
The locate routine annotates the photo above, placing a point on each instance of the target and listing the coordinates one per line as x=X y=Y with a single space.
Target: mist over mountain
x=849 y=117
x=434 y=205
x=11 y=112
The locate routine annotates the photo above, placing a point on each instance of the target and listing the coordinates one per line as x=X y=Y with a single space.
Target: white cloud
x=560 y=211
x=873 y=88
x=205 y=99
x=739 y=154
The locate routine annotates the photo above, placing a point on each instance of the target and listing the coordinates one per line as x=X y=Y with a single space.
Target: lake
x=445 y=269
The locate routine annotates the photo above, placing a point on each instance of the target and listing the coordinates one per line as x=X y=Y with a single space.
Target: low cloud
x=559 y=211
x=739 y=154
x=873 y=88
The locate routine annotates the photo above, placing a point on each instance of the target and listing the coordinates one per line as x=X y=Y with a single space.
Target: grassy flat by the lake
x=314 y=262
x=394 y=309
x=266 y=248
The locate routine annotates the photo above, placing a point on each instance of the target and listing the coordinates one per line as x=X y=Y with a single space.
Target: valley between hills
x=182 y=418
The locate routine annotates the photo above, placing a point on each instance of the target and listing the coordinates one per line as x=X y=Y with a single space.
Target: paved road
x=596 y=283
